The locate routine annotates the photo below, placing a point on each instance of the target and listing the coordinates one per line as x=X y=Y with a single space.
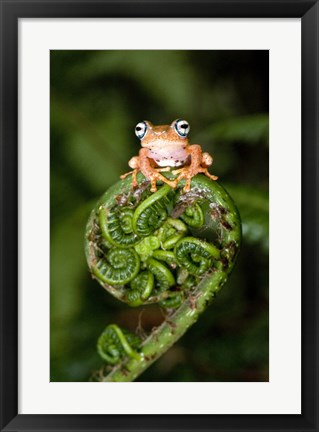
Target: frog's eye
x=182 y=127
x=140 y=129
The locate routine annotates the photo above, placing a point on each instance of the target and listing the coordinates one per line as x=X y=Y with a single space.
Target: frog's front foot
x=199 y=164
x=155 y=176
x=189 y=172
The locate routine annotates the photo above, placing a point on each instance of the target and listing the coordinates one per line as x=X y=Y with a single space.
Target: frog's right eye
x=141 y=129
x=181 y=127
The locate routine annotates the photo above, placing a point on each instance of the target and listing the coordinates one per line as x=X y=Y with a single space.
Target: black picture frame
x=11 y=12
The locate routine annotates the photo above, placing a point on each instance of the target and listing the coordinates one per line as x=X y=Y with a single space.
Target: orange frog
x=165 y=147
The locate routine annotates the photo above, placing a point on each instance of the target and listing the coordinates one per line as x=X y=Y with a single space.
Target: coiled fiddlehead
x=117 y=226
x=141 y=288
x=163 y=276
x=151 y=213
x=114 y=344
x=118 y=266
x=170 y=232
x=193 y=216
x=195 y=255
x=171 y=248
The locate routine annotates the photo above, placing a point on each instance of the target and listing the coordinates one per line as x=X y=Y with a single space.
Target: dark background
x=97 y=98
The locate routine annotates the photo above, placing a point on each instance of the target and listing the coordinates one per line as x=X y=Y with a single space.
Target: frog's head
x=152 y=136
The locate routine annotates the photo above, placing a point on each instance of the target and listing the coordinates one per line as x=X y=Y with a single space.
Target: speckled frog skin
x=165 y=147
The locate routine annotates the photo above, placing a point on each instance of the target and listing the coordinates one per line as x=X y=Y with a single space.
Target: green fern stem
x=170 y=331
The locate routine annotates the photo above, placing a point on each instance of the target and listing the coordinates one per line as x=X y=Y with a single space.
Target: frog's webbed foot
x=199 y=164
x=187 y=173
x=157 y=176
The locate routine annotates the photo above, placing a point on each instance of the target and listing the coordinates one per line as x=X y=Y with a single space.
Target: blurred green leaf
x=68 y=261
x=250 y=130
x=253 y=207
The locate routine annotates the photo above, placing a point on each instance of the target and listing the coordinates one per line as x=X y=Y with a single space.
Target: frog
x=167 y=148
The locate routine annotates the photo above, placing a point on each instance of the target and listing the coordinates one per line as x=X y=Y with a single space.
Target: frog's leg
x=151 y=173
x=199 y=163
x=133 y=163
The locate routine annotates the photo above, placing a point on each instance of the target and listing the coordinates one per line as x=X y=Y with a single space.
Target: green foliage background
x=97 y=98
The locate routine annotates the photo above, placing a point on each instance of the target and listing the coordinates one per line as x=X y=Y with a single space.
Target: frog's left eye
x=141 y=129
x=182 y=127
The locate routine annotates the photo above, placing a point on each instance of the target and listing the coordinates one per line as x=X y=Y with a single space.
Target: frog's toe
x=187 y=186
x=163 y=169
x=172 y=184
x=183 y=175
x=177 y=171
x=123 y=176
x=157 y=176
x=211 y=176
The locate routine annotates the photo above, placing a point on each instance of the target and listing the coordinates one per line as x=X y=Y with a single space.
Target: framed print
x=156 y=154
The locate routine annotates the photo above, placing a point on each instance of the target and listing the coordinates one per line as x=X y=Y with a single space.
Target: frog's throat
x=171 y=156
